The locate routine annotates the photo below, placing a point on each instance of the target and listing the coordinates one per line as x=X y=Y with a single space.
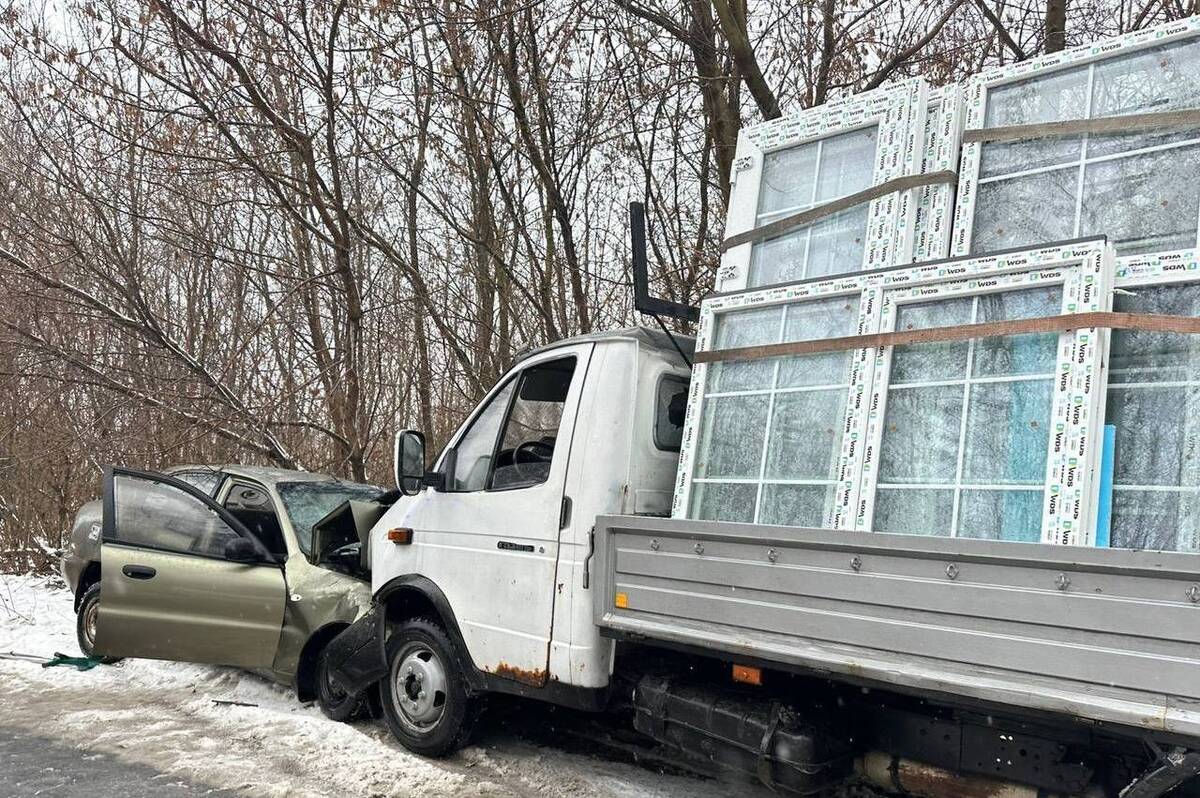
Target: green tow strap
x=79 y=663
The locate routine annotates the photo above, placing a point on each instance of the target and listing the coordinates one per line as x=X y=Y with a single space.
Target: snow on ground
x=161 y=714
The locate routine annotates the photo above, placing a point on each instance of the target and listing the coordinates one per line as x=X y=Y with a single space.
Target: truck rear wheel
x=425 y=699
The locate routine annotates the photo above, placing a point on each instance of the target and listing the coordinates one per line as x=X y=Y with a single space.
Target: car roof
x=264 y=474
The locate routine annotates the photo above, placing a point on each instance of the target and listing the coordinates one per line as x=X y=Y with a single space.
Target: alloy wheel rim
x=419 y=685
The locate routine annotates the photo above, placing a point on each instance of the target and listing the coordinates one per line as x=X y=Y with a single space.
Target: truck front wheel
x=425 y=698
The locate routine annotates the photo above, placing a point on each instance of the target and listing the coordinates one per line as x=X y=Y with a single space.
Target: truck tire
x=85 y=624
x=425 y=699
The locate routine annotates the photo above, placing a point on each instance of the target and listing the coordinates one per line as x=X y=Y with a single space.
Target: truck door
x=492 y=535
x=182 y=579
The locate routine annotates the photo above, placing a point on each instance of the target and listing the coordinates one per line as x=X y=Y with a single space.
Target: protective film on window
x=1141 y=189
x=984 y=437
x=802 y=162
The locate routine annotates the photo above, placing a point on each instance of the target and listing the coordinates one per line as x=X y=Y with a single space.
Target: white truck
x=535 y=557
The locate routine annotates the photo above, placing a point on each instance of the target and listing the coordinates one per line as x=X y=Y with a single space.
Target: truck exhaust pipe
x=908 y=777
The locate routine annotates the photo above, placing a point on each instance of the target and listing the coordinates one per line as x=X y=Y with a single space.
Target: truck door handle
x=138 y=571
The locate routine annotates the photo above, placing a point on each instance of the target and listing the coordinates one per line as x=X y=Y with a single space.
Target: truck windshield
x=308 y=502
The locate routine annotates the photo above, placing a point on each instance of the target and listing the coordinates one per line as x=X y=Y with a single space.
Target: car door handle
x=139 y=571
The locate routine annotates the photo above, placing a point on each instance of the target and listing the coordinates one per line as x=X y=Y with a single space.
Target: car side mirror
x=242 y=550
x=408 y=461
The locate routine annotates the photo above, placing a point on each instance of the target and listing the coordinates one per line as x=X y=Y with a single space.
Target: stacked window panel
x=979 y=437
x=1141 y=189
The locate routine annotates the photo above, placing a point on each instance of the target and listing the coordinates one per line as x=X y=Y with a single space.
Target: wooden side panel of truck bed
x=1102 y=635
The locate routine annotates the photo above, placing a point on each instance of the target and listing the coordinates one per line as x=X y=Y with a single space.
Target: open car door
x=182 y=579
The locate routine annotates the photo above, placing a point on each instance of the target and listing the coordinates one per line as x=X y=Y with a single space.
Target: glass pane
x=847 y=163
x=714 y=501
x=836 y=243
x=1001 y=515
x=920 y=434
x=812 y=320
x=1017 y=354
x=745 y=328
x=1156 y=435
x=670 y=408
x=159 y=516
x=914 y=511
x=1052 y=97
x=796 y=505
x=1156 y=520
x=1165 y=78
x=787 y=180
x=475 y=448
x=779 y=260
x=922 y=362
x=1025 y=211
x=527 y=445
x=1007 y=433
x=1137 y=356
x=731 y=436
x=806 y=434
x=1144 y=203
x=999 y=158
x=1049 y=98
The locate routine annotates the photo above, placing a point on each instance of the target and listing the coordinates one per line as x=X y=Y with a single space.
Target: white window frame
x=849 y=286
x=933 y=214
x=1084 y=269
x=976 y=94
x=897 y=111
x=1149 y=271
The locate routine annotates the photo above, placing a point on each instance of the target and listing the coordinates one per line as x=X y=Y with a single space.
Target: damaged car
x=245 y=566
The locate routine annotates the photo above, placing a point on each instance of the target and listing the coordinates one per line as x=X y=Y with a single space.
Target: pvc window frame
x=1153 y=271
x=977 y=89
x=1084 y=268
x=1084 y=271
x=897 y=111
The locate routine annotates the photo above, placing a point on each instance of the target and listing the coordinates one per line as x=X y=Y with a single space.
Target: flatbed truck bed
x=1106 y=637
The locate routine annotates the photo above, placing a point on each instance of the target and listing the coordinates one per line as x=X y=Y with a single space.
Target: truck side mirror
x=408 y=461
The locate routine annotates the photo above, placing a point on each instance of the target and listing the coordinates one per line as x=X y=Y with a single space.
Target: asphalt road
x=32 y=765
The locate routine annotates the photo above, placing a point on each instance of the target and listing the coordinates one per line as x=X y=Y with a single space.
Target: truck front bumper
x=356 y=657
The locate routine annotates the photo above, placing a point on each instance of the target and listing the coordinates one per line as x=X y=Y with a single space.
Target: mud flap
x=356 y=657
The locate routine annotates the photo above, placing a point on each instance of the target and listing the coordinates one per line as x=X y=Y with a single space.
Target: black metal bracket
x=1172 y=769
x=642 y=301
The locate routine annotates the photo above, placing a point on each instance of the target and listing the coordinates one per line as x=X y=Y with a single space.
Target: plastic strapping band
x=780 y=226
x=1131 y=123
x=765 y=774
x=1145 y=322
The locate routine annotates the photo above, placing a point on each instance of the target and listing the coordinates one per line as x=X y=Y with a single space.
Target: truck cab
x=482 y=571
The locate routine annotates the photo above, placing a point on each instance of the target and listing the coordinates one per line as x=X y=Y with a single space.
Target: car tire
x=85 y=624
x=335 y=702
x=426 y=703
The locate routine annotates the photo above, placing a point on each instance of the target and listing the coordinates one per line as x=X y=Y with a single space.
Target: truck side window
x=531 y=431
x=670 y=407
x=475 y=449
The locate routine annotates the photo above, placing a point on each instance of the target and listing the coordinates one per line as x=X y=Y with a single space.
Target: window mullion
x=962 y=425
x=762 y=460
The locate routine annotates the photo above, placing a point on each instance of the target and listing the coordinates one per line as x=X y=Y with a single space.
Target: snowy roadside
x=162 y=715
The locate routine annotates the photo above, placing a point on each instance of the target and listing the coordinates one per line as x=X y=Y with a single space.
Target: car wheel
x=85 y=624
x=425 y=699
x=335 y=702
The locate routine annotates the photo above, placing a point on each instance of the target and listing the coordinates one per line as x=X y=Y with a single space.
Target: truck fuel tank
x=743 y=732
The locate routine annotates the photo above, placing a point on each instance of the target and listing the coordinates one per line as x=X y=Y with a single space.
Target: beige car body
x=281 y=615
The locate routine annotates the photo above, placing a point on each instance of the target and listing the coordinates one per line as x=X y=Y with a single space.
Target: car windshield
x=308 y=502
